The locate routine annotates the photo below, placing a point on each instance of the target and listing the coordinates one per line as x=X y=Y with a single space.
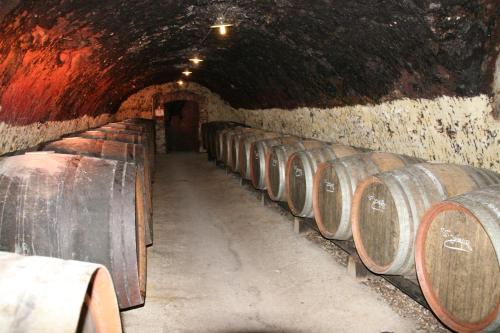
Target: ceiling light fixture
x=180 y=82
x=196 y=60
x=222 y=27
x=187 y=72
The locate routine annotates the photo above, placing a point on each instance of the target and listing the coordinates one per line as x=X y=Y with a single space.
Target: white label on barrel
x=377 y=204
x=453 y=242
x=256 y=156
x=329 y=187
x=274 y=162
x=298 y=172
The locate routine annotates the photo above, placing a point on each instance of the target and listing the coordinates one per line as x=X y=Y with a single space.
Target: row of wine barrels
x=335 y=183
x=245 y=151
x=458 y=260
x=79 y=208
x=45 y=295
x=114 y=150
x=149 y=124
x=276 y=162
x=233 y=162
x=229 y=137
x=300 y=170
x=209 y=134
x=387 y=209
x=258 y=152
x=221 y=148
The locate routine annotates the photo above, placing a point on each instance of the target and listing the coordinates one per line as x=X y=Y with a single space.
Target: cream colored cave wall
x=14 y=138
x=446 y=129
x=140 y=103
x=453 y=130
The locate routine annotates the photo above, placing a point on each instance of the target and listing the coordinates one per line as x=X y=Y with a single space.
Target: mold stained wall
x=446 y=129
x=21 y=137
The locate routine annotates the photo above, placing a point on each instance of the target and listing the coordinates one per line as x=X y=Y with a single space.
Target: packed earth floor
x=222 y=262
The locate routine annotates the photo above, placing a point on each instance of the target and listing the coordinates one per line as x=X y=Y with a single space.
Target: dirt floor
x=222 y=262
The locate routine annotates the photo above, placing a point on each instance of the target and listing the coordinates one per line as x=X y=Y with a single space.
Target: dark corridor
x=181 y=126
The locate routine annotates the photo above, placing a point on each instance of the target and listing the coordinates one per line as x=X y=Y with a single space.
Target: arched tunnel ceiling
x=62 y=59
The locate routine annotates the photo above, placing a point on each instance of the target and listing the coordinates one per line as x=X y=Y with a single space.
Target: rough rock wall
x=447 y=129
x=140 y=103
x=14 y=137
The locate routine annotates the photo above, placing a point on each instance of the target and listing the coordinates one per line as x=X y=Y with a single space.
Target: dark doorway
x=181 y=126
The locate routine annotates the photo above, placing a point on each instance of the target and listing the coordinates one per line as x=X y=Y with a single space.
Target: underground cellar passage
x=250 y=166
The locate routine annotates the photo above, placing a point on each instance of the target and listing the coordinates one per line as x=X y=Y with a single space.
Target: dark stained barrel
x=276 y=166
x=79 y=208
x=257 y=158
x=457 y=258
x=114 y=150
x=235 y=146
x=245 y=151
x=387 y=209
x=300 y=170
x=41 y=294
x=335 y=183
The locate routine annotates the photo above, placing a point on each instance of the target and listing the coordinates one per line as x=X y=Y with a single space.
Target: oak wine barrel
x=300 y=170
x=79 y=208
x=221 y=151
x=458 y=260
x=228 y=144
x=149 y=124
x=114 y=150
x=335 y=183
x=245 y=150
x=387 y=209
x=257 y=158
x=46 y=295
x=276 y=166
x=235 y=146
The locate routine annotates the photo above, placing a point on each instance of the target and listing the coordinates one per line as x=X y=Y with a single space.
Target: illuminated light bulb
x=180 y=82
x=196 y=60
x=222 y=27
x=187 y=72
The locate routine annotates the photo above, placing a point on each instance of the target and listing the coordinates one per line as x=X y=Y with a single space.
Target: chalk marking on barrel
x=274 y=162
x=329 y=187
x=298 y=172
x=377 y=204
x=454 y=242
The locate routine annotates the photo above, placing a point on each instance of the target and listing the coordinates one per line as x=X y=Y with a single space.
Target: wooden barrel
x=335 y=183
x=45 y=295
x=458 y=260
x=221 y=151
x=228 y=144
x=245 y=156
x=387 y=208
x=79 y=208
x=149 y=124
x=113 y=136
x=235 y=146
x=300 y=170
x=257 y=158
x=114 y=150
x=146 y=140
x=276 y=166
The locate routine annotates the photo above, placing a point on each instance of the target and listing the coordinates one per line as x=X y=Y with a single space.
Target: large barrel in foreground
x=114 y=150
x=46 y=295
x=276 y=162
x=79 y=208
x=387 y=209
x=335 y=183
x=257 y=158
x=458 y=260
x=300 y=170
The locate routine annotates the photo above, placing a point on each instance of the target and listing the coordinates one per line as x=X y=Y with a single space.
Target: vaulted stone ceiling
x=62 y=59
